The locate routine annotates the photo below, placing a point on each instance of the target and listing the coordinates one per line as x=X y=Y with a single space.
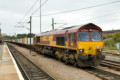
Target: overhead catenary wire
x=97 y=16
x=27 y=19
x=99 y=22
x=36 y=10
x=110 y=21
x=29 y=10
x=101 y=16
x=82 y=8
x=39 y=7
x=71 y=10
x=76 y=9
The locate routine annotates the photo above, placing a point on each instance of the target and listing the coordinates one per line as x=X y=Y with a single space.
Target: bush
x=109 y=44
x=116 y=37
x=110 y=36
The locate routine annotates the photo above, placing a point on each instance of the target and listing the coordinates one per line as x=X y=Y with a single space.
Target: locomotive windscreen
x=96 y=36
x=84 y=36
x=90 y=36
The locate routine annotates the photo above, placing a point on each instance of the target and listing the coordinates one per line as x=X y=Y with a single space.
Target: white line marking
x=16 y=67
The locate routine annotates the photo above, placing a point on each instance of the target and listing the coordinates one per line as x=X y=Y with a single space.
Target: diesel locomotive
x=79 y=45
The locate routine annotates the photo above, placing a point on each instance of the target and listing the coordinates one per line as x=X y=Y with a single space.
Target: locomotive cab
x=90 y=43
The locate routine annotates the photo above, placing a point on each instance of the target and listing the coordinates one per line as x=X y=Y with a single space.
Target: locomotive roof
x=71 y=29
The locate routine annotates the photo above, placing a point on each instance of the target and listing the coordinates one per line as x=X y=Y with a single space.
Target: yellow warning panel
x=71 y=44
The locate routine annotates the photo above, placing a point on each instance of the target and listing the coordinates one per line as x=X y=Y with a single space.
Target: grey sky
x=12 y=11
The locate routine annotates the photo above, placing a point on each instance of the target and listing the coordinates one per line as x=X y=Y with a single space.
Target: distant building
x=110 y=32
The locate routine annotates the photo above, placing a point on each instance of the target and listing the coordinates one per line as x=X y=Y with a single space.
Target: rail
x=105 y=75
x=111 y=64
x=29 y=70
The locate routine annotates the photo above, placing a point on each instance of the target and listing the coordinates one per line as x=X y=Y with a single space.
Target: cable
x=29 y=10
x=27 y=19
x=101 y=16
x=82 y=8
x=36 y=10
x=71 y=10
x=39 y=7
x=110 y=21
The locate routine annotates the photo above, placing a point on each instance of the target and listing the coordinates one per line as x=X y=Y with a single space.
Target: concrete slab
x=1 y=48
x=7 y=68
x=8 y=77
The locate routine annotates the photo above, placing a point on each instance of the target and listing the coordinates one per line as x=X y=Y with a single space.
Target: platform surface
x=7 y=68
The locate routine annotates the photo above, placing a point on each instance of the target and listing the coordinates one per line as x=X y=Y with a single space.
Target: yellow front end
x=89 y=48
x=89 y=53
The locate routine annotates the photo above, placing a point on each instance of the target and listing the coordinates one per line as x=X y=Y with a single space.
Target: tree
x=31 y=35
x=21 y=35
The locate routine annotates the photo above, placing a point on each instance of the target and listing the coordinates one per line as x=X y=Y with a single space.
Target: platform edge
x=16 y=67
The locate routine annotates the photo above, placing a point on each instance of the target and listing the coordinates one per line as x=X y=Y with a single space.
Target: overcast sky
x=12 y=12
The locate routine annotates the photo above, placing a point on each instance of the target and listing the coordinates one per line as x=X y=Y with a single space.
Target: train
x=79 y=45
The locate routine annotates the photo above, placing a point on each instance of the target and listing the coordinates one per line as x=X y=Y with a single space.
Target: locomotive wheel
x=75 y=64
x=58 y=55
x=65 y=57
x=66 y=61
x=42 y=51
x=60 y=59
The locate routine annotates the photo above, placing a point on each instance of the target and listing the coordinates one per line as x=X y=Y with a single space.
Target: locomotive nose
x=90 y=48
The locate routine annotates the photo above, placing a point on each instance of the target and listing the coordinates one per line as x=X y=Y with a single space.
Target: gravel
x=112 y=58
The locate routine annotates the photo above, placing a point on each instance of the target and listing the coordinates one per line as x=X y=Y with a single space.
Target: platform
x=8 y=69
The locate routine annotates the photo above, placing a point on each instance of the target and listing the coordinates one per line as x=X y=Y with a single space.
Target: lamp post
x=30 y=31
x=53 y=24
x=30 y=22
x=40 y=16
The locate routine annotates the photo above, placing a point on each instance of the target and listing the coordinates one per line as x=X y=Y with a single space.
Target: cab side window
x=71 y=37
x=60 y=41
x=38 y=39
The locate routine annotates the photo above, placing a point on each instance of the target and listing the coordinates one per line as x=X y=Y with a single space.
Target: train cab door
x=37 y=39
x=72 y=41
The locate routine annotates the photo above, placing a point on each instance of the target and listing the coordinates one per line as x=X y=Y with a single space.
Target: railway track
x=111 y=53
x=30 y=71
x=104 y=75
x=111 y=64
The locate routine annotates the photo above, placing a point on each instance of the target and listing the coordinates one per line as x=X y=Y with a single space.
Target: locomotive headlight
x=81 y=50
x=99 y=50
